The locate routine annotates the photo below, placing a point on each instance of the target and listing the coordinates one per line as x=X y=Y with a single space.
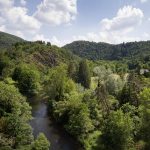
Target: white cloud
x=119 y=28
x=18 y=33
x=40 y=37
x=23 y=2
x=143 y=1
x=125 y=21
x=3 y=28
x=88 y=37
x=54 y=40
x=2 y=20
x=6 y=3
x=56 y=12
x=16 y=19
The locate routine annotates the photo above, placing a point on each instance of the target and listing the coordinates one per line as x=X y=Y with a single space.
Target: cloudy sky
x=63 y=21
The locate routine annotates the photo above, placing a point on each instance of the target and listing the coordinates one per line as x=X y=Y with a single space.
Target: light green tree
x=41 y=143
x=145 y=109
x=118 y=132
x=28 y=79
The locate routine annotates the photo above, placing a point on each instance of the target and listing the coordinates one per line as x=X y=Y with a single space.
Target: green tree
x=58 y=84
x=4 y=63
x=94 y=108
x=118 y=132
x=131 y=90
x=102 y=98
x=145 y=109
x=74 y=115
x=72 y=71
x=102 y=72
x=41 y=143
x=114 y=84
x=79 y=124
x=15 y=113
x=84 y=76
x=27 y=78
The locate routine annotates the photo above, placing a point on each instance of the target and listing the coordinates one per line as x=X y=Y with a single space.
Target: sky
x=64 y=21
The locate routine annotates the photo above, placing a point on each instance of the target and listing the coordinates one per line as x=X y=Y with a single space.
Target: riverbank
x=41 y=122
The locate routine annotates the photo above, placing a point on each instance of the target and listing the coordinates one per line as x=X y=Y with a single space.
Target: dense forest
x=98 y=93
x=105 y=51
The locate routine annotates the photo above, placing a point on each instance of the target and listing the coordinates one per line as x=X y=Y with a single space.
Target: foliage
x=104 y=51
x=4 y=63
x=14 y=115
x=7 y=40
x=131 y=90
x=84 y=74
x=102 y=72
x=27 y=78
x=41 y=143
x=118 y=132
x=107 y=109
x=145 y=106
x=114 y=84
x=91 y=142
x=79 y=123
x=58 y=84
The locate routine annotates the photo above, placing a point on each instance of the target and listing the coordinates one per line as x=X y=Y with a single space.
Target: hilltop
x=105 y=51
x=7 y=40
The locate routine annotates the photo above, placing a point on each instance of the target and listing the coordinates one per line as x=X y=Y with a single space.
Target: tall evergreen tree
x=84 y=74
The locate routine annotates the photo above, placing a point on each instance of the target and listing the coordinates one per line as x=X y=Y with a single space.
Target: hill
x=36 y=53
x=40 y=54
x=7 y=40
x=104 y=51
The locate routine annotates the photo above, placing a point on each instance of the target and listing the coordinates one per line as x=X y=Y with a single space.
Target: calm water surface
x=58 y=138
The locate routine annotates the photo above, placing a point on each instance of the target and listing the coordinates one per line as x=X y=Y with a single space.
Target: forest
x=98 y=93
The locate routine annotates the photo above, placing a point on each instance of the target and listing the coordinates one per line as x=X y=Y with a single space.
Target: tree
x=28 y=79
x=102 y=98
x=117 y=132
x=94 y=107
x=145 y=106
x=74 y=115
x=15 y=114
x=58 y=84
x=79 y=123
x=102 y=72
x=84 y=74
x=4 y=63
x=114 y=84
x=41 y=143
x=48 y=44
x=131 y=90
x=72 y=70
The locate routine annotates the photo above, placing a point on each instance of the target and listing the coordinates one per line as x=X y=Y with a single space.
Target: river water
x=41 y=122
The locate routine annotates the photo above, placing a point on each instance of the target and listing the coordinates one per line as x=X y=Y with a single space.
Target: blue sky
x=63 y=21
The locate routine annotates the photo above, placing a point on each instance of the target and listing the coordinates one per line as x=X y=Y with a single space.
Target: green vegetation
x=104 y=51
x=84 y=74
x=102 y=104
x=41 y=143
x=27 y=78
x=7 y=40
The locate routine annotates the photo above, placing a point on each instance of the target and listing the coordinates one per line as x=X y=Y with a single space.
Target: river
x=41 y=122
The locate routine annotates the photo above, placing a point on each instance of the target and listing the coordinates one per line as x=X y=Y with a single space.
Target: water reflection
x=59 y=139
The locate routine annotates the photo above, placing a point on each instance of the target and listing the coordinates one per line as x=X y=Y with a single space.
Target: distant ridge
x=93 y=50
x=6 y=40
x=105 y=51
